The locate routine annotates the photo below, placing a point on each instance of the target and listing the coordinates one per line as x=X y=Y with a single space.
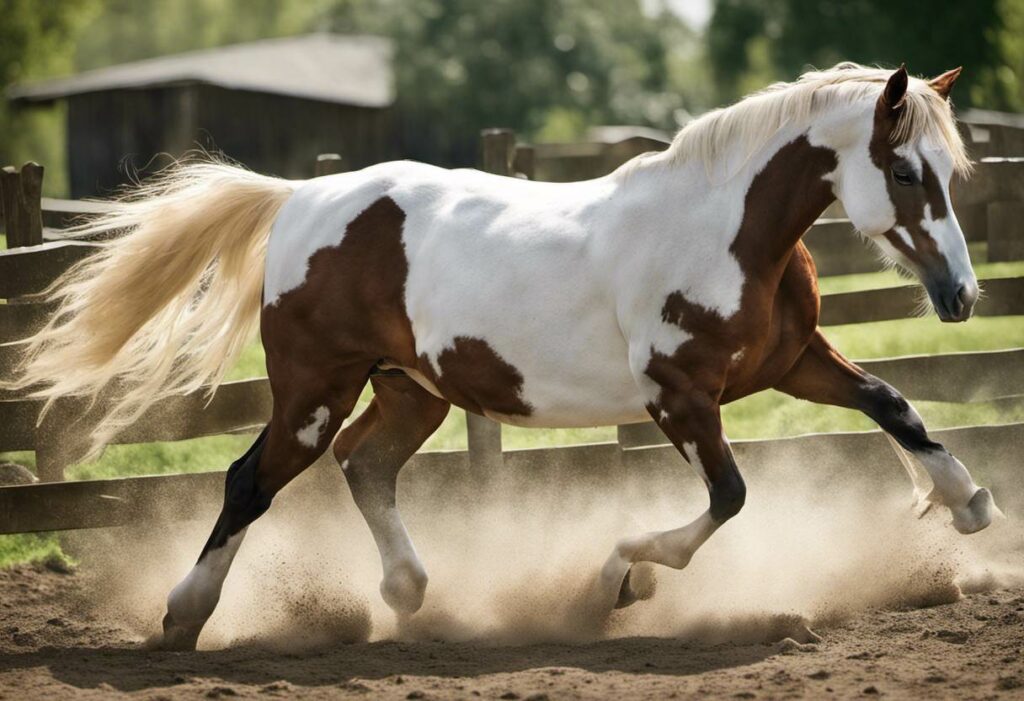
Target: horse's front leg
x=824 y=376
x=690 y=418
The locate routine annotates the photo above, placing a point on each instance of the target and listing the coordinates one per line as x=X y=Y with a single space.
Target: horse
x=662 y=291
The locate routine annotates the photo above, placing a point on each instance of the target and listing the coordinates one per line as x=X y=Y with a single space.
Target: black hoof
x=178 y=638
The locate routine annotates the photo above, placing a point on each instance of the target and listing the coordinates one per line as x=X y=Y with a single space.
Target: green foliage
x=29 y=547
x=34 y=36
x=539 y=67
x=781 y=38
x=533 y=65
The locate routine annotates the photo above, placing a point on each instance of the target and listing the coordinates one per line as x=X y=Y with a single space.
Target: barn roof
x=351 y=70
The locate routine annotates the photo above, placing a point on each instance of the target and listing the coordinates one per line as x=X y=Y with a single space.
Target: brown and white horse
x=666 y=289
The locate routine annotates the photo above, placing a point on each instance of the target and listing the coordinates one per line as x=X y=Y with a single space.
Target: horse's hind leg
x=308 y=410
x=824 y=376
x=371 y=452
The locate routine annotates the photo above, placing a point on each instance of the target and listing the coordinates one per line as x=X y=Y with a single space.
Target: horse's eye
x=902 y=176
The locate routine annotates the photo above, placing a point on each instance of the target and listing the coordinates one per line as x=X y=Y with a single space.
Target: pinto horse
x=663 y=290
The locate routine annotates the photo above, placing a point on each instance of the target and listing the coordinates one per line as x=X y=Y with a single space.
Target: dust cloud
x=511 y=559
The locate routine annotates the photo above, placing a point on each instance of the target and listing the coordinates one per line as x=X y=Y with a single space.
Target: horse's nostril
x=964 y=300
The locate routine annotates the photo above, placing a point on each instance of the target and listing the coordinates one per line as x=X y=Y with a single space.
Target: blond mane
x=752 y=121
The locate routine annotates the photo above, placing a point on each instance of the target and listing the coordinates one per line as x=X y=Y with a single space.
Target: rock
x=1007 y=683
x=820 y=674
x=956 y=637
x=415 y=694
x=788 y=646
x=13 y=474
x=56 y=563
x=220 y=692
x=871 y=690
x=509 y=695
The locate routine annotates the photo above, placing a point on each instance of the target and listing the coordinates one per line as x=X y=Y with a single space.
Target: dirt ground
x=53 y=647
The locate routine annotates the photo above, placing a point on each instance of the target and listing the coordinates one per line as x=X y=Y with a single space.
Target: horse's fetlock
x=728 y=498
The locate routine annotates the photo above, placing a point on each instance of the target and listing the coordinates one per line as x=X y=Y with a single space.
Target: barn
x=272 y=105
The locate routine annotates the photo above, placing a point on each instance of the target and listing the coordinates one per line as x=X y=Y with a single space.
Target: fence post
x=21 y=197
x=523 y=161
x=328 y=164
x=483 y=436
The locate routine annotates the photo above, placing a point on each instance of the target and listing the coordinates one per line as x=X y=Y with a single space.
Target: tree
x=34 y=38
x=790 y=36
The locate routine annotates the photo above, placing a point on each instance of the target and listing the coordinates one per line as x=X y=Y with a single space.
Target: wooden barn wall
x=112 y=133
x=283 y=135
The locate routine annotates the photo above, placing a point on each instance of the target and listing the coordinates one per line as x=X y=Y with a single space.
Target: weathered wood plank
x=61 y=214
x=839 y=250
x=103 y=503
x=993 y=180
x=1001 y=297
x=954 y=377
x=19 y=321
x=20 y=193
x=30 y=270
x=235 y=406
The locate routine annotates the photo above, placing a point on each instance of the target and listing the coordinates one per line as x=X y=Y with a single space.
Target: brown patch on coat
x=779 y=303
x=351 y=306
x=909 y=201
x=350 y=312
x=474 y=377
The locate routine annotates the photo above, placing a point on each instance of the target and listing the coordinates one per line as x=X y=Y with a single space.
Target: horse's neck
x=780 y=190
x=783 y=200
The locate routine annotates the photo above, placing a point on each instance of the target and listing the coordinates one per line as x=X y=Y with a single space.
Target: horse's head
x=894 y=184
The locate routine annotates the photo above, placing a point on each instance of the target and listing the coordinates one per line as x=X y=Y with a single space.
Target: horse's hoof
x=977 y=514
x=177 y=638
x=639 y=584
x=403 y=587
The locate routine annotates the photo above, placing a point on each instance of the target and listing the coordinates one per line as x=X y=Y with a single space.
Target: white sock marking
x=196 y=596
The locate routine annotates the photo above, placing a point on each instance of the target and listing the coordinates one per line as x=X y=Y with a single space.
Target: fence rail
x=116 y=502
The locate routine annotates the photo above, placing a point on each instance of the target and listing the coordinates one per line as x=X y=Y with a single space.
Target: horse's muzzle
x=954 y=300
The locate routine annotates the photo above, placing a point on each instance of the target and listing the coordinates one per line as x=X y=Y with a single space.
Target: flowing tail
x=165 y=309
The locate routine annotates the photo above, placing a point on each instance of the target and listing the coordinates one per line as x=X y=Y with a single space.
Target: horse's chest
x=778 y=332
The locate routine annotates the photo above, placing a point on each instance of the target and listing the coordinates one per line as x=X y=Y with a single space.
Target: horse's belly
x=567 y=400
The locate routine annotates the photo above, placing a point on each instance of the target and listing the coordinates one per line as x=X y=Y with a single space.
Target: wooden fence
x=31 y=264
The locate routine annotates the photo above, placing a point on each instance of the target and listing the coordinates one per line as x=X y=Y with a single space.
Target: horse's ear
x=943 y=84
x=895 y=89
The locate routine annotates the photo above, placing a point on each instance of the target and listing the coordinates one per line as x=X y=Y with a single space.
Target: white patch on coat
x=309 y=435
x=737 y=356
x=193 y=600
x=904 y=236
x=693 y=457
